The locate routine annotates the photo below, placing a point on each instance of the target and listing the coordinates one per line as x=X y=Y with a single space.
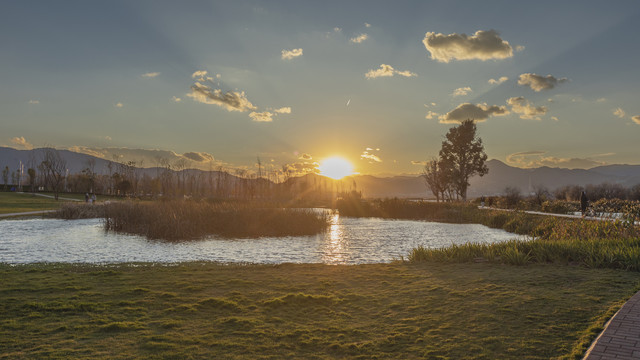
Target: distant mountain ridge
x=499 y=177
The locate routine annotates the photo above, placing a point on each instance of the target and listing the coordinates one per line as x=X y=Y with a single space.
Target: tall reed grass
x=71 y=211
x=614 y=253
x=179 y=220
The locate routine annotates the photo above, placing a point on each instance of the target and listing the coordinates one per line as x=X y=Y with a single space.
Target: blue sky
x=102 y=77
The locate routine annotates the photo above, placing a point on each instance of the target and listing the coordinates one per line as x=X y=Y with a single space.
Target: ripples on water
x=346 y=241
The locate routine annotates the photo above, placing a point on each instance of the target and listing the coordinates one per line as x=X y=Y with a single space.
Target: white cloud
x=479 y=113
x=538 y=83
x=555 y=118
x=463 y=91
x=231 y=100
x=386 y=71
x=636 y=119
x=264 y=116
x=519 y=48
x=360 y=38
x=151 y=74
x=34 y=102
x=22 y=142
x=108 y=138
x=601 y=100
x=176 y=99
x=367 y=25
x=199 y=156
x=119 y=105
x=499 y=81
x=290 y=54
x=199 y=74
x=522 y=106
x=366 y=155
x=483 y=45
x=150 y=157
x=337 y=29
x=619 y=113
x=431 y=114
x=283 y=110
x=533 y=159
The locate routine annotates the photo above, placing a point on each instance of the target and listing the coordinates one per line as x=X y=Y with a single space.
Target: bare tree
x=540 y=194
x=435 y=177
x=5 y=176
x=54 y=168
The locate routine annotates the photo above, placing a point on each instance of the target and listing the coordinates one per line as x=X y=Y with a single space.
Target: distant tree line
x=172 y=180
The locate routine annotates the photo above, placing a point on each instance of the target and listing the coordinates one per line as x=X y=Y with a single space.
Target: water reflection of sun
x=335 y=247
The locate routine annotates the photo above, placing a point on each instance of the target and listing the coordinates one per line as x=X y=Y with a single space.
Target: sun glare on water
x=335 y=167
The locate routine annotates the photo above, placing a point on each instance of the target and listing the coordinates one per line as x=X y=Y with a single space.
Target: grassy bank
x=180 y=220
x=188 y=311
x=11 y=202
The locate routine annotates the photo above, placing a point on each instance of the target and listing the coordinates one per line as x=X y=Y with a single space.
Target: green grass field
x=399 y=310
x=14 y=202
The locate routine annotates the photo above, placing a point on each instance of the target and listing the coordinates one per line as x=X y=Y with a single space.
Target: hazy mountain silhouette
x=500 y=176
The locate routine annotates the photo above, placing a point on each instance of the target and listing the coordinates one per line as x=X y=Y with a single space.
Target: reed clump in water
x=180 y=220
x=73 y=211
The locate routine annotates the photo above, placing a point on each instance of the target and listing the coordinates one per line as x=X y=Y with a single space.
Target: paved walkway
x=571 y=216
x=620 y=338
x=50 y=196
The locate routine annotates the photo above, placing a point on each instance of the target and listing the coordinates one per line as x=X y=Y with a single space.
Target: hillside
x=500 y=176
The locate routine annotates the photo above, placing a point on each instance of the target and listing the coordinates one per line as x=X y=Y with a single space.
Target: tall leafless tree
x=54 y=168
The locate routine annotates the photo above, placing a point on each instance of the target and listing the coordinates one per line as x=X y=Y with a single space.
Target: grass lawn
x=11 y=202
x=399 y=310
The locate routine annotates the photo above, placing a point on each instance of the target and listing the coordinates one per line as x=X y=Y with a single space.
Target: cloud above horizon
x=283 y=110
x=636 y=119
x=387 y=71
x=534 y=159
x=264 y=116
x=431 y=114
x=231 y=100
x=150 y=74
x=290 y=54
x=482 y=45
x=199 y=156
x=538 y=83
x=522 y=106
x=359 y=39
x=463 y=91
x=478 y=113
x=21 y=142
x=619 y=113
x=499 y=81
x=370 y=156
x=149 y=157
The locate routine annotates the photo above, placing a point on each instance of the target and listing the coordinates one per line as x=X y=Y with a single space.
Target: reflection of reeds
x=176 y=220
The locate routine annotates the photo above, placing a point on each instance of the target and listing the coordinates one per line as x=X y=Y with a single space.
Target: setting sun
x=336 y=168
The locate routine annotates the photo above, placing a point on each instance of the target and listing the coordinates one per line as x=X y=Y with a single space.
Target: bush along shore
x=595 y=244
x=187 y=220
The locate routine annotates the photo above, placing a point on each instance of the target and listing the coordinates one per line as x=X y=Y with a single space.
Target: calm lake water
x=347 y=241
